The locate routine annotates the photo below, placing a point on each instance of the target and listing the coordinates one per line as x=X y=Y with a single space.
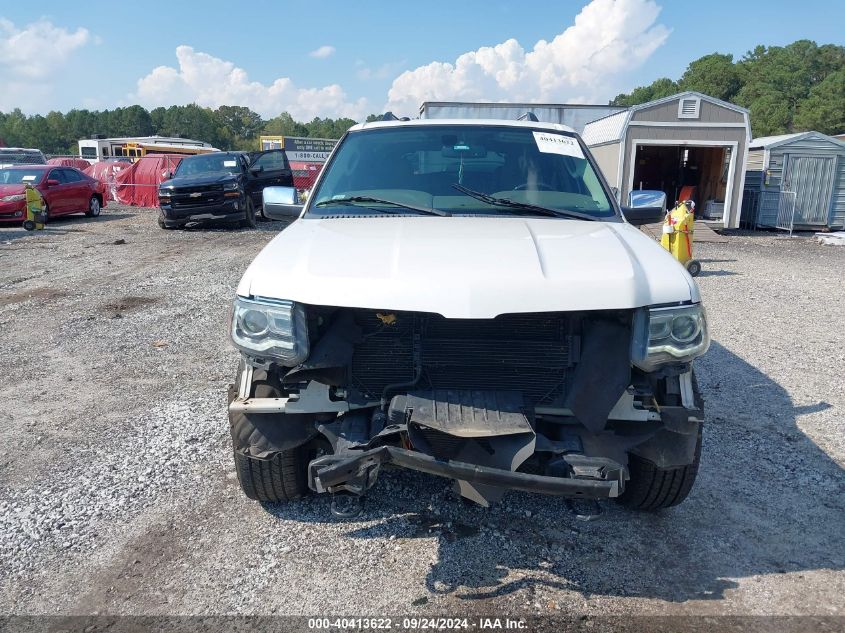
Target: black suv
x=223 y=186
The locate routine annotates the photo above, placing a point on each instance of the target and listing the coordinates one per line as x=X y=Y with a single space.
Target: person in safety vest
x=677 y=235
x=34 y=218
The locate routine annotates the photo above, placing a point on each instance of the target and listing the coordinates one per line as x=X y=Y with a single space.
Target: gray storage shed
x=686 y=140
x=802 y=176
x=575 y=115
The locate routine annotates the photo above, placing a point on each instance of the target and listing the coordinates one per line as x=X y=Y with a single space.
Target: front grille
x=203 y=195
x=530 y=353
x=199 y=189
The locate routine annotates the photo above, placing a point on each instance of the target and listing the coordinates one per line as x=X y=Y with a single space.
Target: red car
x=64 y=189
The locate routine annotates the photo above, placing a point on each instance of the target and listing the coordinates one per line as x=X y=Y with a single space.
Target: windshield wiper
x=366 y=199
x=522 y=206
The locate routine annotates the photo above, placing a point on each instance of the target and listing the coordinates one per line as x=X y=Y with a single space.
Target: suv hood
x=196 y=180
x=464 y=267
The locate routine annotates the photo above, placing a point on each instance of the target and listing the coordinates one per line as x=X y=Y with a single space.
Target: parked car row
x=222 y=186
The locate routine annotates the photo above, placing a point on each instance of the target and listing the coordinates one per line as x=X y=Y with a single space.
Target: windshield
x=20 y=176
x=445 y=167
x=208 y=163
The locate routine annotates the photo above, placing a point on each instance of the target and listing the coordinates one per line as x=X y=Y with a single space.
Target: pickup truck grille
x=530 y=353
x=197 y=196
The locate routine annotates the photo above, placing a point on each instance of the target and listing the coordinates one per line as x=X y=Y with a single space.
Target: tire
x=249 y=221
x=281 y=478
x=651 y=488
x=166 y=227
x=94 y=207
x=693 y=267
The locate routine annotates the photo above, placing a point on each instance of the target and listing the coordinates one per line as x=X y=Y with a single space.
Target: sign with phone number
x=308 y=157
x=315 y=150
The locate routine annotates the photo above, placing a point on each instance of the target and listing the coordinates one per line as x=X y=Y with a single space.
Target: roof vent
x=689 y=108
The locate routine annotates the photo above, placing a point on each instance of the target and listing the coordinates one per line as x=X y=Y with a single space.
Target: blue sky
x=370 y=45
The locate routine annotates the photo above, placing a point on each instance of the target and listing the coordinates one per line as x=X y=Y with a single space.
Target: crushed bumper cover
x=356 y=473
x=225 y=211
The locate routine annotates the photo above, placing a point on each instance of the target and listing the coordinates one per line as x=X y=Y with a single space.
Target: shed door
x=811 y=178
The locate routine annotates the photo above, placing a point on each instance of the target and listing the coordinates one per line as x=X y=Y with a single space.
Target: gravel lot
x=118 y=493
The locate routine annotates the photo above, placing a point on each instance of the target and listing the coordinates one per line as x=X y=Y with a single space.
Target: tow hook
x=346 y=506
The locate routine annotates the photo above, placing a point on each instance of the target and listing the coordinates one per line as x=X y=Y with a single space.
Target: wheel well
x=99 y=197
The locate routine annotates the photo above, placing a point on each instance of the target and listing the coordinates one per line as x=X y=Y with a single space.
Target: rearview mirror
x=462 y=150
x=281 y=203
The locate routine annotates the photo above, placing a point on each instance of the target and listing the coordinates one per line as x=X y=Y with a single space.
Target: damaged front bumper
x=595 y=478
x=484 y=441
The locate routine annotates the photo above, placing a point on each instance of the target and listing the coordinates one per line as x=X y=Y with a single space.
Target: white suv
x=465 y=298
x=21 y=156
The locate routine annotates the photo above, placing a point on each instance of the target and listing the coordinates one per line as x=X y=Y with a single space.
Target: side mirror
x=168 y=175
x=645 y=207
x=643 y=215
x=256 y=170
x=52 y=182
x=647 y=198
x=281 y=203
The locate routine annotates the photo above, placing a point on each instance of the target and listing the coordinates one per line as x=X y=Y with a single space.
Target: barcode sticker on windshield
x=558 y=144
x=28 y=178
x=230 y=163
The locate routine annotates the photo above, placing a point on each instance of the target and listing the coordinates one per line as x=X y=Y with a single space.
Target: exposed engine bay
x=543 y=402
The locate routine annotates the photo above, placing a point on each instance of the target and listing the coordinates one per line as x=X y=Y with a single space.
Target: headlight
x=668 y=335
x=164 y=194
x=230 y=186
x=269 y=329
x=14 y=198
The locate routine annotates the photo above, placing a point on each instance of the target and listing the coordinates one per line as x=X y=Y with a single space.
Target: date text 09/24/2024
x=416 y=624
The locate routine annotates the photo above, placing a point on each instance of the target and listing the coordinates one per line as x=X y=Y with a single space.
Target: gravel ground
x=118 y=493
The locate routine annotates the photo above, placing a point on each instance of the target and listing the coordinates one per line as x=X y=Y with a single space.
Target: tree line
x=794 y=88
x=226 y=127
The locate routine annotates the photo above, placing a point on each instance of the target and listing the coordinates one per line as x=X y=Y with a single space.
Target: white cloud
x=209 y=81
x=323 y=52
x=35 y=53
x=584 y=63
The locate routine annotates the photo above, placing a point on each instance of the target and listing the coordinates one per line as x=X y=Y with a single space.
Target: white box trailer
x=95 y=150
